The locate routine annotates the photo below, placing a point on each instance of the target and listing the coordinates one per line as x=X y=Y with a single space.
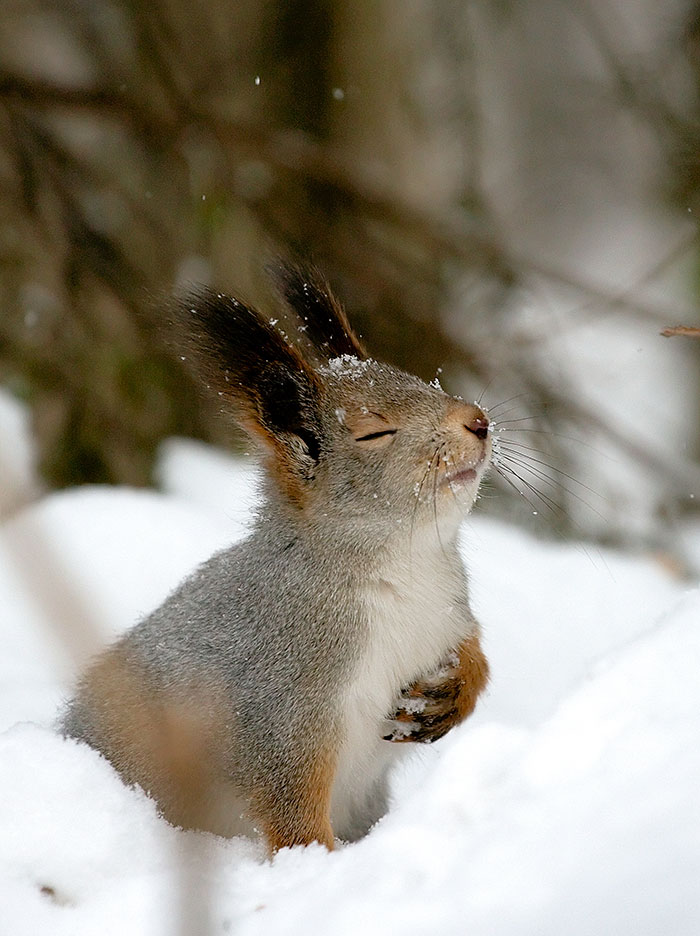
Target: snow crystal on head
x=347 y=365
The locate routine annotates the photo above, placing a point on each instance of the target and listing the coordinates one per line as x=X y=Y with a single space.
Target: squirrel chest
x=417 y=612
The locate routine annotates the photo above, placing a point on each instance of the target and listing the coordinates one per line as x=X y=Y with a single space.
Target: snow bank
x=568 y=804
x=78 y=568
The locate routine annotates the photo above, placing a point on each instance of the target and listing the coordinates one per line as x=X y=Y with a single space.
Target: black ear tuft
x=322 y=317
x=247 y=362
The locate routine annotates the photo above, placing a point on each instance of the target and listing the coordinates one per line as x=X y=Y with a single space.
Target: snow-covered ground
x=568 y=805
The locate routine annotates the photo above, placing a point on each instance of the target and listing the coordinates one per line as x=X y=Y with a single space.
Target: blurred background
x=503 y=194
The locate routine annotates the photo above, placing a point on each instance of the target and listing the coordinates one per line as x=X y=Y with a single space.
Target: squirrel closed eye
x=271 y=688
x=372 y=430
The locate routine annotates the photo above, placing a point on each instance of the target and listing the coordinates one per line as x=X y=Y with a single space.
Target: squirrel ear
x=244 y=359
x=322 y=317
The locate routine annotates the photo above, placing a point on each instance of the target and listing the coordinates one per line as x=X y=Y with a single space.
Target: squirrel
x=273 y=690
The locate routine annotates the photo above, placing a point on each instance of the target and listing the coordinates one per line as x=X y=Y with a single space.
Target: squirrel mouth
x=463 y=476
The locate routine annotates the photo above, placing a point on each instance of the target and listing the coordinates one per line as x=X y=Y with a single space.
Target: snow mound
x=588 y=824
x=78 y=568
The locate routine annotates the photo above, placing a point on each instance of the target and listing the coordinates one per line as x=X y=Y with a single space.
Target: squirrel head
x=349 y=443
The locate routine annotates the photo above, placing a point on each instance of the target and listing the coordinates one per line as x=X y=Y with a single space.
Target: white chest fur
x=417 y=611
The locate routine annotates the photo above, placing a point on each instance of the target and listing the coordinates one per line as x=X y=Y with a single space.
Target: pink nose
x=467 y=416
x=478 y=424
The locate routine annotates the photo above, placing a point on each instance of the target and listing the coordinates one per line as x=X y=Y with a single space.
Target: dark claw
x=426 y=727
x=442 y=692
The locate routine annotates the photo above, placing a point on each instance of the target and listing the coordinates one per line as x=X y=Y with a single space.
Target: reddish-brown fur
x=299 y=813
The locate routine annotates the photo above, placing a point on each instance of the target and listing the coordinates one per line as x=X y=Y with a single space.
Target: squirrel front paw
x=434 y=704
x=427 y=709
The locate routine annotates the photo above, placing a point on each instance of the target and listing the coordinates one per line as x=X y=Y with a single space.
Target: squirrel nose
x=467 y=416
x=478 y=424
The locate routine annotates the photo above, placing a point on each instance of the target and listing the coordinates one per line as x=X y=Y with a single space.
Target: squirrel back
x=275 y=687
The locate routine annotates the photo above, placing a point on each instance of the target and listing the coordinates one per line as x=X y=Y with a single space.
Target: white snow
x=567 y=806
x=347 y=365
